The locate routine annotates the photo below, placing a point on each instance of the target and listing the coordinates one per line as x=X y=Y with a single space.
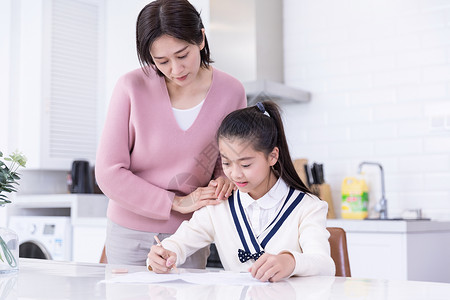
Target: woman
x=158 y=160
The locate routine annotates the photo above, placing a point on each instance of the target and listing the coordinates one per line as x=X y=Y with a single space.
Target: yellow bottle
x=355 y=198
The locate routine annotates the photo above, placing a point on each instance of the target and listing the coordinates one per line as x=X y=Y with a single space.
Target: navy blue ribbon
x=282 y=219
x=291 y=191
x=236 y=222
x=245 y=255
x=247 y=225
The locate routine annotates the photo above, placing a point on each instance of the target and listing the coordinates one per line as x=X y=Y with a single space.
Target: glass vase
x=9 y=251
x=8 y=287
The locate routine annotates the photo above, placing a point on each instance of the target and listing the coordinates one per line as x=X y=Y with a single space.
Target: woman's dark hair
x=176 y=18
x=262 y=126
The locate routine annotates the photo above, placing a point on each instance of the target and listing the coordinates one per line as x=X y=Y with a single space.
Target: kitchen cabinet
x=398 y=249
x=87 y=214
x=88 y=239
x=58 y=79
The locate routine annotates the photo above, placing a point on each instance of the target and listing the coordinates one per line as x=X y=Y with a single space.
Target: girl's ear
x=273 y=156
x=202 y=44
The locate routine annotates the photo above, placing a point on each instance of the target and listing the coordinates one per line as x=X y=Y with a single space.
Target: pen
x=158 y=242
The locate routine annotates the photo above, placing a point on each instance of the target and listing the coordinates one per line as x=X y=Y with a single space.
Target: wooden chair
x=339 y=253
x=103 y=259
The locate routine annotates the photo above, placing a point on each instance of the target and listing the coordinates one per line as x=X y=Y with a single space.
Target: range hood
x=246 y=41
x=261 y=90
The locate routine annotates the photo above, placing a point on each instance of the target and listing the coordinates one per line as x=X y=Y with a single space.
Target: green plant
x=8 y=183
x=8 y=175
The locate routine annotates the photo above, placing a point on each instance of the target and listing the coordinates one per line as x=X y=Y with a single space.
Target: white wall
x=5 y=48
x=379 y=74
x=120 y=49
x=5 y=84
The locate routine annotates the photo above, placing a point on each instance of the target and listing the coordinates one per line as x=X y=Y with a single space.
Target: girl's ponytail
x=284 y=167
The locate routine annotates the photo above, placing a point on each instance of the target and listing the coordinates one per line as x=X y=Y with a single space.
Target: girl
x=272 y=226
x=157 y=161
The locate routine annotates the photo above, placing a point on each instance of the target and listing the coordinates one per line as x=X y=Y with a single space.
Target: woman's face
x=249 y=169
x=178 y=60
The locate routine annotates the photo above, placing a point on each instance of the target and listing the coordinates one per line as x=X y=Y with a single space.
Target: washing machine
x=45 y=237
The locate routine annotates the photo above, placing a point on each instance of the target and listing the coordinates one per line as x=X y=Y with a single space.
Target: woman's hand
x=273 y=268
x=161 y=260
x=223 y=186
x=202 y=196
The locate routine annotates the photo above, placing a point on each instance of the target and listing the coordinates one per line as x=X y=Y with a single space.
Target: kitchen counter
x=398 y=249
x=398 y=226
x=80 y=207
x=43 y=279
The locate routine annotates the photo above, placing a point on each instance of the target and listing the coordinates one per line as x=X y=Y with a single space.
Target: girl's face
x=250 y=170
x=178 y=60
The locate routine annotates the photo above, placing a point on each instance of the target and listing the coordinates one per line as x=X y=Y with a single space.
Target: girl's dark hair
x=264 y=133
x=177 y=18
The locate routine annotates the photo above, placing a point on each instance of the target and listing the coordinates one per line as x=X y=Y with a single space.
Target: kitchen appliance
x=82 y=181
x=43 y=237
x=256 y=58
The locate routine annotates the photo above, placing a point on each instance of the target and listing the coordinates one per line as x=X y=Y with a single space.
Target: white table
x=44 y=279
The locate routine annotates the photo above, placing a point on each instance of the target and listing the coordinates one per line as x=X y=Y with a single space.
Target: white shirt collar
x=270 y=199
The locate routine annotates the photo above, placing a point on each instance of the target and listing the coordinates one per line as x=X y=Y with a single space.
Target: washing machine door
x=33 y=249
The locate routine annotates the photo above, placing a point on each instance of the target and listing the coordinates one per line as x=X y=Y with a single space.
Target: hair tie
x=262 y=108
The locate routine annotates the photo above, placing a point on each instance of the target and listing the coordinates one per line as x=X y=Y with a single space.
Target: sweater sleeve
x=112 y=168
x=192 y=235
x=315 y=257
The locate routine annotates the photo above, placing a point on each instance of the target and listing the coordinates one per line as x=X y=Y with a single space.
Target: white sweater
x=303 y=234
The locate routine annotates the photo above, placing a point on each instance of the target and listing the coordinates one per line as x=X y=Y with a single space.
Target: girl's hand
x=202 y=196
x=223 y=186
x=161 y=260
x=273 y=268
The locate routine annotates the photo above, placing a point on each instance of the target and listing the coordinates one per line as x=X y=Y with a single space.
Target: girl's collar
x=270 y=199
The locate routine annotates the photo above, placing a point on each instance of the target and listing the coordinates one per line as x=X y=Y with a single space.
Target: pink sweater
x=144 y=158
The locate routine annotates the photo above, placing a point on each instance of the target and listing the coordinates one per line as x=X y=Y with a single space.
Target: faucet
x=381 y=206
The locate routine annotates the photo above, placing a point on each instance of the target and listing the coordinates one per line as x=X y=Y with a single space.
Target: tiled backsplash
x=379 y=74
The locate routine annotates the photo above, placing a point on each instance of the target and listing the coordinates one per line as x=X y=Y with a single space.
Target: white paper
x=209 y=278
